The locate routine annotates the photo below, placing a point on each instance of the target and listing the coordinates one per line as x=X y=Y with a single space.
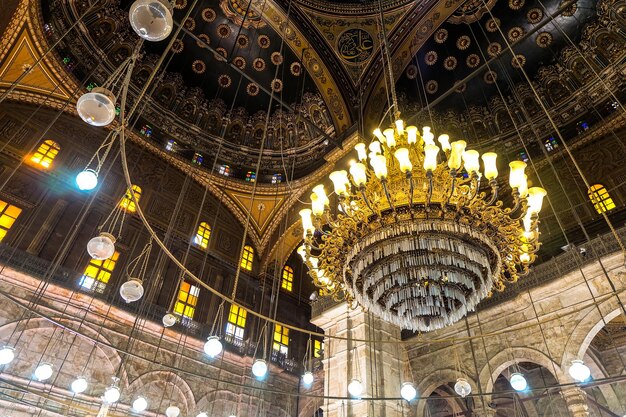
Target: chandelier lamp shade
x=420 y=235
x=213 y=346
x=152 y=20
x=87 y=180
x=7 y=354
x=97 y=107
x=579 y=371
x=79 y=385
x=102 y=246
x=518 y=382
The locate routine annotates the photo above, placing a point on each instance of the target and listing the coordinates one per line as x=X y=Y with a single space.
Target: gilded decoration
x=411 y=72
x=516 y=4
x=206 y=40
x=534 y=15
x=355 y=45
x=240 y=12
x=471 y=11
x=544 y=39
x=450 y=63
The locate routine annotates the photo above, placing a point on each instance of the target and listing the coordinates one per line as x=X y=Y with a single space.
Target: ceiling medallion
x=570 y=11
x=494 y=49
x=416 y=240
x=450 y=63
x=430 y=58
x=490 y=77
x=263 y=41
x=208 y=15
x=223 y=31
x=461 y=88
x=224 y=81
x=277 y=85
x=190 y=24
x=180 y=4
x=355 y=45
x=243 y=41
x=544 y=39
x=440 y=36
x=432 y=86
x=178 y=46
x=240 y=62
x=471 y=11
x=515 y=33
x=198 y=66
x=534 y=15
x=258 y=64
x=296 y=69
x=519 y=62
x=206 y=40
x=492 y=25
x=516 y=4
x=463 y=42
x=411 y=72
x=276 y=58
x=222 y=52
x=238 y=12
x=252 y=89
x=472 y=60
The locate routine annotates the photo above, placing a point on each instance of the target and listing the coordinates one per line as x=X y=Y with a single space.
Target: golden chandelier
x=417 y=238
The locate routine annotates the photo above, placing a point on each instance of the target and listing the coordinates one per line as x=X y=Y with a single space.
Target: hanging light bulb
x=7 y=354
x=355 y=388
x=140 y=404
x=151 y=19
x=87 y=180
x=102 y=246
x=172 y=411
x=79 y=385
x=579 y=371
x=259 y=368
x=307 y=378
x=131 y=290
x=97 y=107
x=462 y=387
x=213 y=346
x=408 y=391
x=112 y=394
x=518 y=382
x=202 y=414
x=43 y=372
x=169 y=320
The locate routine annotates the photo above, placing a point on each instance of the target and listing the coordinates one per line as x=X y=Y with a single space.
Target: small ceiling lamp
x=79 y=385
x=307 y=378
x=102 y=246
x=172 y=411
x=152 y=20
x=112 y=393
x=259 y=368
x=43 y=372
x=87 y=180
x=169 y=320
x=355 y=388
x=140 y=404
x=579 y=371
x=408 y=391
x=132 y=290
x=518 y=381
x=462 y=387
x=97 y=107
x=7 y=354
x=213 y=346
x=202 y=414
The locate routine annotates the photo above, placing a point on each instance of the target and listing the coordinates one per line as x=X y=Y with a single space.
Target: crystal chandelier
x=418 y=238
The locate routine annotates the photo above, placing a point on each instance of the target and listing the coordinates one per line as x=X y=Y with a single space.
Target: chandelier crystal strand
x=419 y=238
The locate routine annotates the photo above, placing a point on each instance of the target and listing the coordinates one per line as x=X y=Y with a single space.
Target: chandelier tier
x=419 y=240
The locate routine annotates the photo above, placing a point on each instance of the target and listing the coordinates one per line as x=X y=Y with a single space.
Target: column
x=576 y=400
x=376 y=365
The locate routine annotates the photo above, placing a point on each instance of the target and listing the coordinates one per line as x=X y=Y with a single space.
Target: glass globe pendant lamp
x=132 y=290
x=97 y=107
x=7 y=354
x=518 y=382
x=172 y=411
x=79 y=385
x=43 y=372
x=355 y=388
x=462 y=387
x=102 y=246
x=140 y=404
x=152 y=20
x=169 y=320
x=202 y=414
x=259 y=368
x=112 y=394
x=307 y=378
x=87 y=180
x=408 y=391
x=213 y=346
x=579 y=371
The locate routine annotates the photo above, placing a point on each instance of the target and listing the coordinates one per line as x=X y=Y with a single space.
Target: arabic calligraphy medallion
x=355 y=45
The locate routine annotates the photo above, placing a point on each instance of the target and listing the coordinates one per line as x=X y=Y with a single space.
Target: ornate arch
x=169 y=378
x=433 y=381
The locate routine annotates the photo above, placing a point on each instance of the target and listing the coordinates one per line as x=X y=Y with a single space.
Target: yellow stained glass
x=46 y=153
x=8 y=215
x=286 y=282
x=600 y=198
x=247 y=258
x=202 y=236
x=127 y=202
x=281 y=338
x=187 y=300
x=318 y=348
x=98 y=273
x=237 y=316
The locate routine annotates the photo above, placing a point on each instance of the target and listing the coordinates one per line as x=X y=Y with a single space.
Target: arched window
x=236 y=322
x=277 y=178
x=187 y=300
x=247 y=258
x=600 y=198
x=98 y=273
x=197 y=158
x=8 y=215
x=551 y=144
x=281 y=339
x=46 y=153
x=251 y=176
x=202 y=236
x=127 y=202
x=224 y=170
x=286 y=283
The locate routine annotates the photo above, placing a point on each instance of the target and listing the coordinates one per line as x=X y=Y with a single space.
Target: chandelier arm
x=429 y=175
x=452 y=189
x=384 y=184
x=494 y=191
x=409 y=176
x=367 y=203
